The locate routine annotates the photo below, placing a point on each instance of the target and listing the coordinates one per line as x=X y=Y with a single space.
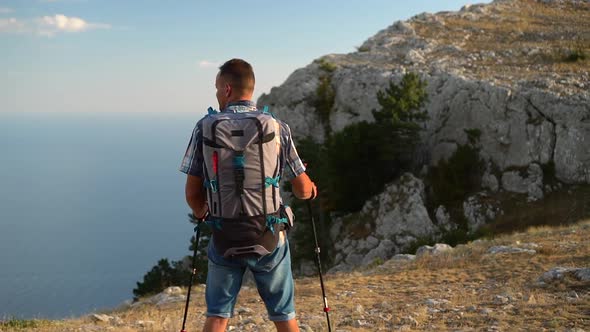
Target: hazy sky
x=162 y=56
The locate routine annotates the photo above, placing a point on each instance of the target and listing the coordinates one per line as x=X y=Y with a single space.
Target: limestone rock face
x=519 y=120
x=531 y=183
x=397 y=218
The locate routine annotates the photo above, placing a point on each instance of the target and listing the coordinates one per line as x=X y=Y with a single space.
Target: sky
x=162 y=56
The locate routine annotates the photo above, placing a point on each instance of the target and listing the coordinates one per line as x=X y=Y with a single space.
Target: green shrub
x=16 y=323
x=400 y=104
x=574 y=55
x=363 y=49
x=176 y=273
x=164 y=274
x=453 y=179
x=326 y=65
x=549 y=173
x=325 y=94
x=473 y=135
x=324 y=102
x=360 y=159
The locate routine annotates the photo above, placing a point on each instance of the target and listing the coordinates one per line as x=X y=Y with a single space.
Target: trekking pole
x=318 y=263
x=198 y=222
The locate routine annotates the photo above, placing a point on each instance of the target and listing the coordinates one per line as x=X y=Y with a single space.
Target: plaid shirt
x=192 y=163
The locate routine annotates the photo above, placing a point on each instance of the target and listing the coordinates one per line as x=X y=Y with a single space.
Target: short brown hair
x=239 y=74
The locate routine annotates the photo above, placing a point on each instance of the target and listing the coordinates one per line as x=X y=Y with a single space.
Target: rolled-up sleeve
x=293 y=166
x=192 y=162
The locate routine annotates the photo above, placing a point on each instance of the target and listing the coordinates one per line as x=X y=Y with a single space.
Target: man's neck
x=237 y=101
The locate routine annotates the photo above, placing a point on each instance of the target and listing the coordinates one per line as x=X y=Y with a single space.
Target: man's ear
x=227 y=90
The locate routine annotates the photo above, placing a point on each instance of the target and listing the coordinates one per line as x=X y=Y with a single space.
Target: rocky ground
x=527 y=43
x=534 y=280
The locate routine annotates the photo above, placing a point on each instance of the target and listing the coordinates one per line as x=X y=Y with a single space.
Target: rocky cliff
x=514 y=72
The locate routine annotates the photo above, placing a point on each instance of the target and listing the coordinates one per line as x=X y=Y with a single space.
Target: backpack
x=241 y=154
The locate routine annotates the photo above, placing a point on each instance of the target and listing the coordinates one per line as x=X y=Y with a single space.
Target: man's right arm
x=195 y=195
x=192 y=166
x=303 y=187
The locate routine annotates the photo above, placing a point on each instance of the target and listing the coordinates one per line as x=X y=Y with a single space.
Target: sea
x=89 y=202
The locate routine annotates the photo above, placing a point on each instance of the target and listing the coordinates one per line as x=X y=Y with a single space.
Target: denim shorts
x=272 y=274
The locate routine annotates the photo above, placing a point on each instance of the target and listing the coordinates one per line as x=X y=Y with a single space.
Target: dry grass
x=561 y=207
x=468 y=289
x=511 y=30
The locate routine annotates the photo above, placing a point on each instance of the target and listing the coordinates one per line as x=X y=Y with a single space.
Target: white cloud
x=4 y=10
x=63 y=23
x=208 y=64
x=51 y=25
x=48 y=26
x=12 y=25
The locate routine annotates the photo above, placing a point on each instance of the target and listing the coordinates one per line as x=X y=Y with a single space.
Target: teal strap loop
x=272 y=220
x=239 y=161
x=266 y=111
x=212 y=184
x=268 y=181
x=213 y=222
x=211 y=111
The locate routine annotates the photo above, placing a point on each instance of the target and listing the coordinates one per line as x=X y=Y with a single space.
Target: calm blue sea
x=88 y=204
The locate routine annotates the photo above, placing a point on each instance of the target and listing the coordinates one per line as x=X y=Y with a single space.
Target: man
x=235 y=85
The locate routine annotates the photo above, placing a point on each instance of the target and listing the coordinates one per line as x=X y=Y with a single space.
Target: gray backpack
x=241 y=154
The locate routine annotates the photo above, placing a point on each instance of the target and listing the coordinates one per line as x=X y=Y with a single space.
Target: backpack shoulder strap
x=266 y=111
x=211 y=111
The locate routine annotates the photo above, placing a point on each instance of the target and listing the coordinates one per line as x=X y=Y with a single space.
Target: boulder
x=531 y=183
x=509 y=250
x=400 y=218
x=169 y=295
x=560 y=273
x=437 y=249
x=443 y=219
x=480 y=209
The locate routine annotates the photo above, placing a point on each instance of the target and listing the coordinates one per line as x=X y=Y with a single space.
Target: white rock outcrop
x=169 y=295
x=560 y=273
x=478 y=210
x=510 y=250
x=397 y=218
x=437 y=249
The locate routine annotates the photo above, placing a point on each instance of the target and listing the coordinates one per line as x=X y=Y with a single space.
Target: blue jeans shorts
x=272 y=274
